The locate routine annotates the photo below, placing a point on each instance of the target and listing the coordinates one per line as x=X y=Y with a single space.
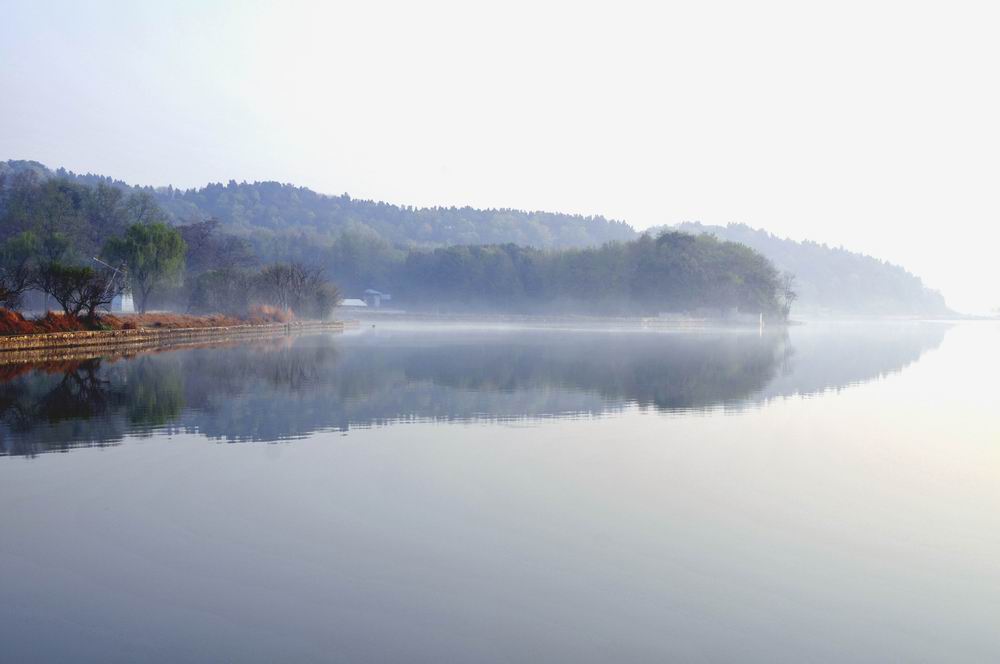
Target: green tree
x=222 y=291
x=79 y=290
x=153 y=255
x=18 y=258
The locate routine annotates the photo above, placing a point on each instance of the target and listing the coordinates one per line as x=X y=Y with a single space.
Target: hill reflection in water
x=293 y=387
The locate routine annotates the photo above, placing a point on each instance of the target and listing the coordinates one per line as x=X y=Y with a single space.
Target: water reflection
x=267 y=391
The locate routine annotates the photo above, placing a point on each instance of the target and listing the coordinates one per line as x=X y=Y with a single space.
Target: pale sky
x=872 y=125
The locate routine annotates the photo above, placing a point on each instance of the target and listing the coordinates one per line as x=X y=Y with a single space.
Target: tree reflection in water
x=293 y=387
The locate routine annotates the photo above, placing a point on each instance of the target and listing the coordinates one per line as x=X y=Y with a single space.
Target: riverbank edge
x=154 y=336
x=666 y=322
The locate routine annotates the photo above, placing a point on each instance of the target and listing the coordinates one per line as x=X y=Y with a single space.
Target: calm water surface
x=509 y=495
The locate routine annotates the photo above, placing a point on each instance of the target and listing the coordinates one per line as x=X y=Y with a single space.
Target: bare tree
x=297 y=288
x=285 y=284
x=787 y=294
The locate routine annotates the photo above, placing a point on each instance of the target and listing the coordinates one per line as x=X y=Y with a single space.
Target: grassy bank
x=13 y=323
x=138 y=332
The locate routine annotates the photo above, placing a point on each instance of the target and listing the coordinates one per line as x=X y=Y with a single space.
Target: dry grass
x=53 y=322
x=257 y=316
x=169 y=320
x=267 y=313
x=13 y=323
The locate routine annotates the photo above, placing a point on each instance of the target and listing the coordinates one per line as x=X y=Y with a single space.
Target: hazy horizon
x=870 y=126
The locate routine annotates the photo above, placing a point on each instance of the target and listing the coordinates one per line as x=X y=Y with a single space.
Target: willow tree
x=153 y=255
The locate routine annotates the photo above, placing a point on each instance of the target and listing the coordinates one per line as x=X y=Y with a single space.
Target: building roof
x=353 y=302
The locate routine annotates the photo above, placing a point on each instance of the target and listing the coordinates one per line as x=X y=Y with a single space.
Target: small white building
x=353 y=302
x=122 y=304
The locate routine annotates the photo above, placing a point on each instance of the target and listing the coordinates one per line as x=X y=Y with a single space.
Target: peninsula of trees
x=832 y=280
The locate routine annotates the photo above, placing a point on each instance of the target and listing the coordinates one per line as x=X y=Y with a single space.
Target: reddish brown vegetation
x=257 y=316
x=165 y=320
x=13 y=323
x=269 y=314
x=52 y=322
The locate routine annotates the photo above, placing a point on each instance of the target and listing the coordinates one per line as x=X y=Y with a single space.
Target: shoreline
x=152 y=337
x=376 y=315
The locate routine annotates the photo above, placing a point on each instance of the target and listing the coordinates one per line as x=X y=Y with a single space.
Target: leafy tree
x=154 y=257
x=208 y=249
x=79 y=290
x=105 y=212
x=222 y=291
x=142 y=208
x=55 y=247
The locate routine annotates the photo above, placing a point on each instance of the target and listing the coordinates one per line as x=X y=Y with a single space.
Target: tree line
x=270 y=213
x=54 y=225
x=82 y=246
x=673 y=272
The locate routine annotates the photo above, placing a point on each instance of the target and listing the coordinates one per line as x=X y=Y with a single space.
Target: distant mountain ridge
x=832 y=280
x=275 y=209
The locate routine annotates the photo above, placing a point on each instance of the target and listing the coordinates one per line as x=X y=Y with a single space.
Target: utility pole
x=115 y=272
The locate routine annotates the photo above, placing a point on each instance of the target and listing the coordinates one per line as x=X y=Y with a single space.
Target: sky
x=870 y=125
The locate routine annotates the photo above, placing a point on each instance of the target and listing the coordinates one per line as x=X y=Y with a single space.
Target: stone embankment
x=152 y=337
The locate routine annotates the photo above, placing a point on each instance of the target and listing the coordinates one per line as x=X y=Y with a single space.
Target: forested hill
x=273 y=212
x=834 y=280
x=56 y=225
x=363 y=243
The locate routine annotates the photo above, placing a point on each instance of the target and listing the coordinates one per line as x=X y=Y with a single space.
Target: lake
x=509 y=494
